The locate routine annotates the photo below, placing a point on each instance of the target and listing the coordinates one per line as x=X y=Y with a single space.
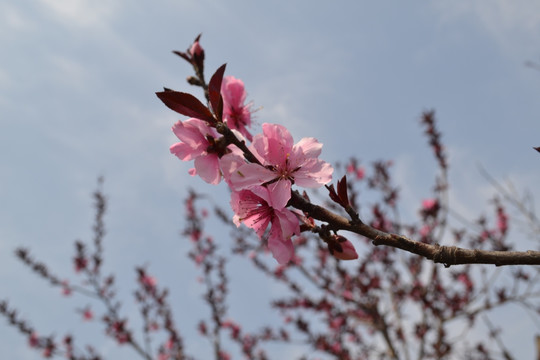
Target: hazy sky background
x=77 y=83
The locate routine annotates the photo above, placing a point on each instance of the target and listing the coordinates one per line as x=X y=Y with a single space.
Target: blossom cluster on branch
x=262 y=174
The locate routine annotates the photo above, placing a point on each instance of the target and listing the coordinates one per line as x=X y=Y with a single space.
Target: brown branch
x=447 y=255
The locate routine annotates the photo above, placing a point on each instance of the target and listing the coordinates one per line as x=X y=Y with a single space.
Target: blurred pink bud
x=80 y=263
x=425 y=230
x=33 y=340
x=88 y=314
x=502 y=220
x=148 y=281
x=429 y=204
x=358 y=171
x=196 y=49
x=66 y=290
x=224 y=356
x=47 y=352
x=337 y=322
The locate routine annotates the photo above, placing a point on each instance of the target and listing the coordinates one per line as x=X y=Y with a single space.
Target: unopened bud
x=196 y=49
x=347 y=251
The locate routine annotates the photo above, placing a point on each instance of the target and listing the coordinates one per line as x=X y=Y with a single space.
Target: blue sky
x=77 y=83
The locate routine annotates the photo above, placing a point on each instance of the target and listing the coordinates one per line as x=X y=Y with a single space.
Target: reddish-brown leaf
x=214 y=91
x=342 y=191
x=333 y=194
x=185 y=104
x=182 y=55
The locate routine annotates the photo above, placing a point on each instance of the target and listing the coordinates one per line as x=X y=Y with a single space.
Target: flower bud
x=347 y=251
x=196 y=49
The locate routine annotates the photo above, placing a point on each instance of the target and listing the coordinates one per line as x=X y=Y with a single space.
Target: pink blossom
x=200 y=258
x=48 y=351
x=348 y=253
x=466 y=280
x=337 y=322
x=502 y=220
x=429 y=204
x=430 y=208
x=117 y=329
x=235 y=328
x=33 y=340
x=425 y=230
x=260 y=206
x=202 y=328
x=359 y=171
x=236 y=113
x=230 y=163
x=347 y=294
x=148 y=281
x=87 y=314
x=336 y=347
x=80 y=263
x=284 y=163
x=66 y=290
x=195 y=135
x=224 y=355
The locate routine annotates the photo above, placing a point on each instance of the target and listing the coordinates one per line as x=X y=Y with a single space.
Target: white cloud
x=12 y=18
x=505 y=20
x=82 y=12
x=70 y=72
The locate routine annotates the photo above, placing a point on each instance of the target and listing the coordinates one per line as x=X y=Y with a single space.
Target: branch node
x=446 y=255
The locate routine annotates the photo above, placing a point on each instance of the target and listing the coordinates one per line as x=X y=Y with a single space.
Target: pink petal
x=185 y=152
x=208 y=168
x=288 y=223
x=313 y=174
x=280 y=193
x=282 y=249
x=252 y=209
x=233 y=91
x=249 y=175
x=309 y=146
x=257 y=223
x=188 y=133
x=279 y=143
x=261 y=192
x=229 y=164
x=203 y=127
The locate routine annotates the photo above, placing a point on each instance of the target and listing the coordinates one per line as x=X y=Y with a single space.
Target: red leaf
x=342 y=191
x=333 y=194
x=182 y=55
x=185 y=104
x=537 y=149
x=214 y=91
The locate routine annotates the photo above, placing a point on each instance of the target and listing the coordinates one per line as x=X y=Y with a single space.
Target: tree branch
x=447 y=255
